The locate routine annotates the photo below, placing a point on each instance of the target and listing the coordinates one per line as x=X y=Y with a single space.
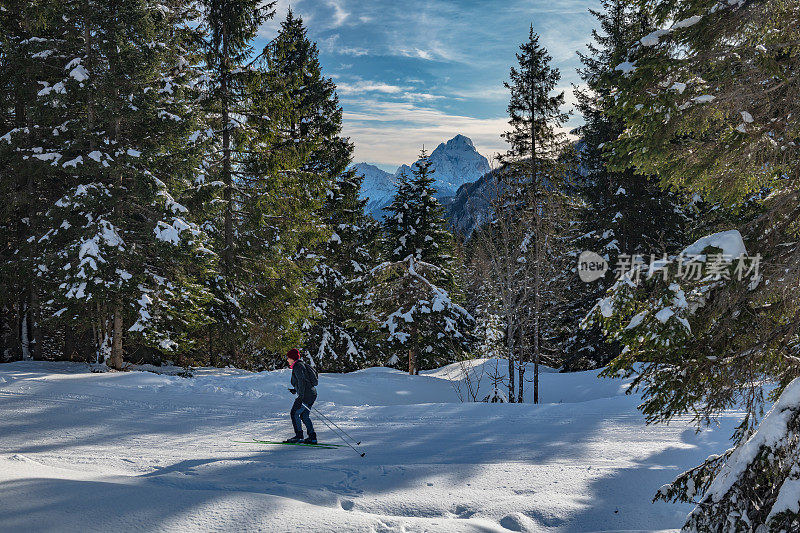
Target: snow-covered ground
x=146 y=452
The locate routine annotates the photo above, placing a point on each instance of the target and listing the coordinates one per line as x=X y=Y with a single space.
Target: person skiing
x=304 y=381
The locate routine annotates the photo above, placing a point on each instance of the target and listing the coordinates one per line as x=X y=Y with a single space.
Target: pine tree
x=229 y=28
x=696 y=132
x=307 y=123
x=307 y=106
x=28 y=32
x=415 y=224
x=120 y=257
x=708 y=105
x=413 y=289
x=304 y=157
x=340 y=337
x=626 y=214
x=530 y=180
x=397 y=228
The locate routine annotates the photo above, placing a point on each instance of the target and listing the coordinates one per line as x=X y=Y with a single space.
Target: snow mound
x=730 y=242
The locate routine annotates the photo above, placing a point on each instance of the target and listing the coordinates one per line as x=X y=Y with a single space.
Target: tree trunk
x=100 y=326
x=24 y=337
x=102 y=336
x=35 y=330
x=511 y=370
x=3 y=330
x=537 y=307
x=116 y=356
x=521 y=369
x=227 y=178
x=69 y=344
x=412 y=353
x=116 y=345
x=34 y=349
x=227 y=174
x=22 y=203
x=537 y=278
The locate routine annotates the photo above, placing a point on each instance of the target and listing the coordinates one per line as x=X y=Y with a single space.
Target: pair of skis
x=342 y=434
x=325 y=445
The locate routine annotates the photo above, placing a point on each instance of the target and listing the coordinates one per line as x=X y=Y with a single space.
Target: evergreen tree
x=340 y=337
x=283 y=150
x=428 y=238
x=306 y=104
x=708 y=104
x=28 y=34
x=695 y=118
x=531 y=182
x=397 y=228
x=413 y=289
x=626 y=214
x=120 y=255
x=229 y=27
x=310 y=134
x=305 y=163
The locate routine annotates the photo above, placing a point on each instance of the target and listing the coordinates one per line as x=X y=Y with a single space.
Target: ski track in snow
x=137 y=451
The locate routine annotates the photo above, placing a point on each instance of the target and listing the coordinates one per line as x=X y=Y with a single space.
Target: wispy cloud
x=421 y=71
x=339 y=14
x=333 y=45
x=393 y=132
x=362 y=87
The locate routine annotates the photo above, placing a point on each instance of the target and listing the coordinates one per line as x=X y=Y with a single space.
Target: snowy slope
x=378 y=186
x=455 y=163
x=146 y=452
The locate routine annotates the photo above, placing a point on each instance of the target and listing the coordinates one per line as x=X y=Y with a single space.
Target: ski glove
x=293 y=391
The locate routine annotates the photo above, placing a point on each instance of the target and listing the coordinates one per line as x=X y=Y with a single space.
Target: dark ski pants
x=300 y=413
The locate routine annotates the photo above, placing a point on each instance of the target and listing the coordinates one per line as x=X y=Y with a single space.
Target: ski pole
x=334 y=423
x=362 y=454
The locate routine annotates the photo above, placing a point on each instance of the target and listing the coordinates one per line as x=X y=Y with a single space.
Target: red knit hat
x=293 y=354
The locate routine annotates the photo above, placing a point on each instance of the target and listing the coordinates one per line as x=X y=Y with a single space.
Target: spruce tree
x=340 y=337
x=229 y=28
x=708 y=104
x=300 y=157
x=415 y=224
x=307 y=107
x=397 y=228
x=120 y=255
x=532 y=181
x=28 y=53
x=696 y=132
x=413 y=290
x=626 y=214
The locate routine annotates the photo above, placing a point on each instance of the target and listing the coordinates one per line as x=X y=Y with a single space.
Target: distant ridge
x=456 y=162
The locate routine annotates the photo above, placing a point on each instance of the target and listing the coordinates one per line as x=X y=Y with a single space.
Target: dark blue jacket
x=304 y=380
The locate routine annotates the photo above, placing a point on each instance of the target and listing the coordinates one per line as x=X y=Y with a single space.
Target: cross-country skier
x=304 y=381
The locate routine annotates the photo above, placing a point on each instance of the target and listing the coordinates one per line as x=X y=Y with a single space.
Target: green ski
x=318 y=445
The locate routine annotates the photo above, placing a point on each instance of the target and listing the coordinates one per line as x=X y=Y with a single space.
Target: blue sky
x=418 y=72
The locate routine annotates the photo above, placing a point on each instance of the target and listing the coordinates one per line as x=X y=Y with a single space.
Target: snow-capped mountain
x=455 y=163
x=378 y=186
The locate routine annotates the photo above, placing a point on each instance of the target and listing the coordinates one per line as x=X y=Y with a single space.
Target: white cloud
x=340 y=14
x=361 y=87
x=425 y=97
x=491 y=91
x=332 y=45
x=393 y=132
x=442 y=61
